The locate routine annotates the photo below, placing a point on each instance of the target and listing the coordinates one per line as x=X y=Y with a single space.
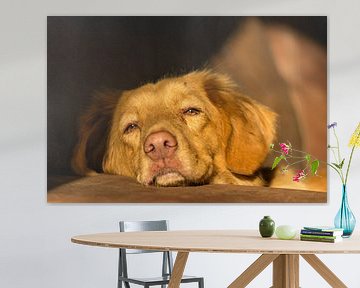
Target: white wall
x=35 y=248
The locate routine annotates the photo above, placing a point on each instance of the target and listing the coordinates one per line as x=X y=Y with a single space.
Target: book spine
x=319 y=236
x=320 y=233
x=318 y=239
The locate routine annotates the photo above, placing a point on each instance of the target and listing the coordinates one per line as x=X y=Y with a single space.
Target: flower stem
x=297 y=162
x=338 y=146
x=292 y=156
x=351 y=155
x=339 y=160
x=299 y=151
x=337 y=171
x=348 y=167
x=333 y=152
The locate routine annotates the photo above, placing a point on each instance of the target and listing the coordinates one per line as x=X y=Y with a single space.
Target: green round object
x=285 y=232
x=266 y=226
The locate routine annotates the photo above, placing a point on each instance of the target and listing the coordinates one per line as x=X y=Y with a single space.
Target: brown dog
x=188 y=130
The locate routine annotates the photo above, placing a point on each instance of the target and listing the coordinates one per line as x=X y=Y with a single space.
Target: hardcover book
x=328 y=240
x=321 y=233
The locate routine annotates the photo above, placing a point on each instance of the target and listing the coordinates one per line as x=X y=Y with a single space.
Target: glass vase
x=345 y=219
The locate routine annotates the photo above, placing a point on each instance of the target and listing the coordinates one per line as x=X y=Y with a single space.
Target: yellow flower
x=355 y=138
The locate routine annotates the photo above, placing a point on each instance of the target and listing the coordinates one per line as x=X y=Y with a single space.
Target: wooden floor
x=118 y=189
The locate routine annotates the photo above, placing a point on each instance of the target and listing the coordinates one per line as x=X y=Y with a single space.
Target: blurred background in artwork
x=279 y=61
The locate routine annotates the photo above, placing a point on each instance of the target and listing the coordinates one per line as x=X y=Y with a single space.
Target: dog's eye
x=191 y=111
x=130 y=127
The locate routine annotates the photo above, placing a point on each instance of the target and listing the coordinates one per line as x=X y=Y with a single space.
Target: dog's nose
x=160 y=145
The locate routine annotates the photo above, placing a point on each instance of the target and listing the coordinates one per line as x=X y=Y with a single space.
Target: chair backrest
x=134 y=226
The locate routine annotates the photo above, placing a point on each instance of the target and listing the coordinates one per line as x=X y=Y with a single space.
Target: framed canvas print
x=187 y=109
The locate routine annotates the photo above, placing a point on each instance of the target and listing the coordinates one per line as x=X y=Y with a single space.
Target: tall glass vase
x=345 y=219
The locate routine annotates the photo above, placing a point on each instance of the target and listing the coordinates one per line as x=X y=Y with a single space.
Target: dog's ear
x=115 y=160
x=248 y=128
x=94 y=129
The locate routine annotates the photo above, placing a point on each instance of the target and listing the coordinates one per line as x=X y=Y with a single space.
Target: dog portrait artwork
x=189 y=130
x=200 y=126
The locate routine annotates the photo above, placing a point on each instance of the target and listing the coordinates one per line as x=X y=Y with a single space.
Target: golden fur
x=222 y=136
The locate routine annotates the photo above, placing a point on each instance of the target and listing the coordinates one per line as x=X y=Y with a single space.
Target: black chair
x=167 y=265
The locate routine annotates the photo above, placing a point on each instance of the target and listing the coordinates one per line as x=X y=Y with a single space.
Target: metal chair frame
x=167 y=263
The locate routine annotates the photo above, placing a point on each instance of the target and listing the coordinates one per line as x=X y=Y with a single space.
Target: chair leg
x=126 y=284
x=120 y=270
x=201 y=283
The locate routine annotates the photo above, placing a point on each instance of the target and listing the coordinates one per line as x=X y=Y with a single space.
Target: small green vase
x=266 y=226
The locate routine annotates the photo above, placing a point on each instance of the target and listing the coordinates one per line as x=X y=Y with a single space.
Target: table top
x=217 y=241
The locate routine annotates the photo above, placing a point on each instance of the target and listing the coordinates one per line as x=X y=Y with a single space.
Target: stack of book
x=321 y=234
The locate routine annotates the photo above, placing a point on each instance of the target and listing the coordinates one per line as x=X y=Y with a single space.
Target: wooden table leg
x=178 y=270
x=286 y=271
x=253 y=270
x=323 y=270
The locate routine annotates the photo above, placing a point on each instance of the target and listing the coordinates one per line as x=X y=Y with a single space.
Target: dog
x=193 y=129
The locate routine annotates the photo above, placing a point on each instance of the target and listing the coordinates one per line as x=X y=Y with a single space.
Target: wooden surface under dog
x=119 y=189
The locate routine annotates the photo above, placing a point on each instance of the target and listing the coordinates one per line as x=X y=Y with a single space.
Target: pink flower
x=299 y=175
x=285 y=148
